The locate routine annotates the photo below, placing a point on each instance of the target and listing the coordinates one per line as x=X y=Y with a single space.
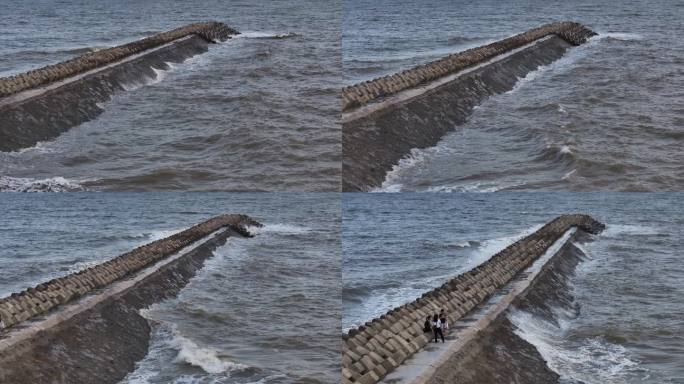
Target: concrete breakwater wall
x=44 y=297
x=376 y=136
x=375 y=349
x=211 y=31
x=42 y=104
x=362 y=93
x=99 y=338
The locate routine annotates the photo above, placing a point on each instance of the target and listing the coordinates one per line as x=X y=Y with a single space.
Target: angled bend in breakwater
x=40 y=104
x=85 y=327
x=374 y=350
x=383 y=119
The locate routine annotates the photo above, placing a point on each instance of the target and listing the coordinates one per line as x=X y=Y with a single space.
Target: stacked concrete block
x=211 y=31
x=44 y=297
x=362 y=93
x=373 y=350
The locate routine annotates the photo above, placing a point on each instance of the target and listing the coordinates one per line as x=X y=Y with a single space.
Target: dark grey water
x=262 y=310
x=607 y=116
x=259 y=112
x=629 y=326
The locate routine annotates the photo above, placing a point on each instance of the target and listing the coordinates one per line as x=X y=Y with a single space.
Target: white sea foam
x=168 y=346
x=617 y=230
x=53 y=184
x=161 y=234
x=567 y=175
x=280 y=228
x=528 y=78
x=565 y=149
x=204 y=357
x=592 y=360
x=39 y=147
x=263 y=35
x=620 y=36
x=414 y=159
x=482 y=187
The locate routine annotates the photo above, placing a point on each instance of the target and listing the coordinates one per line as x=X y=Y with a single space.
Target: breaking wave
x=592 y=360
x=279 y=228
x=53 y=184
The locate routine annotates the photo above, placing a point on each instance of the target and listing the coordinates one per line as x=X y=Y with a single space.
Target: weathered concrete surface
x=40 y=105
x=98 y=338
x=380 y=131
x=379 y=347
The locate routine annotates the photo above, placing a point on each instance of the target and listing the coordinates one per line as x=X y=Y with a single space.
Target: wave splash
x=279 y=228
x=53 y=184
x=592 y=361
x=169 y=346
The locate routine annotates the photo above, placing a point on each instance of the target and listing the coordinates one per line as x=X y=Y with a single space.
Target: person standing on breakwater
x=443 y=321
x=437 y=327
x=427 y=326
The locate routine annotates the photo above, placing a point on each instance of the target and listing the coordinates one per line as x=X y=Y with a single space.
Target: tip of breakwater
x=363 y=93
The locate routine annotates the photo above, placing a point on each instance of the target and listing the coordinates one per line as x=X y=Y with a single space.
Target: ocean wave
x=53 y=184
x=279 y=228
x=557 y=153
x=590 y=360
x=618 y=230
x=168 y=345
x=161 y=234
x=159 y=76
x=477 y=187
x=204 y=357
x=264 y=35
x=415 y=158
x=620 y=36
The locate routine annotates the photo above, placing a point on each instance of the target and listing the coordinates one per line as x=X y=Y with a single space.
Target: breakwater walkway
x=85 y=327
x=40 y=104
x=375 y=350
x=383 y=119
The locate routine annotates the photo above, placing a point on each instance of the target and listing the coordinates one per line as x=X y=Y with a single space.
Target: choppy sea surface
x=606 y=116
x=262 y=310
x=258 y=112
x=628 y=324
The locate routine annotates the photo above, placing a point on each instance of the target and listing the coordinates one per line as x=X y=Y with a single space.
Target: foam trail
x=264 y=35
x=279 y=228
x=53 y=184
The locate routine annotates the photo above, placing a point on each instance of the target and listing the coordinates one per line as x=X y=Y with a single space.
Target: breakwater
x=373 y=350
x=86 y=327
x=385 y=118
x=40 y=104
x=497 y=351
x=44 y=297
